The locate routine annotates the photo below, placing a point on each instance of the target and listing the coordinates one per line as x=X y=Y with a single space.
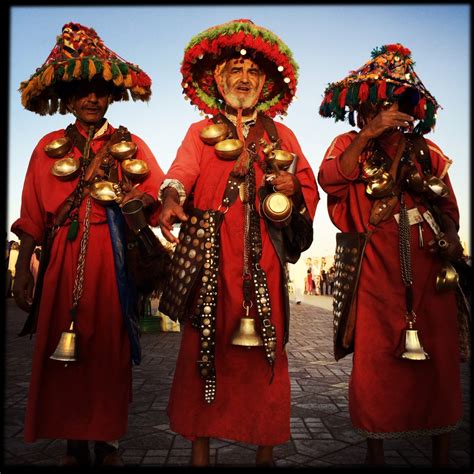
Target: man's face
x=241 y=84
x=90 y=102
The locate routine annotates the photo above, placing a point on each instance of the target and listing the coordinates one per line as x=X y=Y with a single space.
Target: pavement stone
x=322 y=434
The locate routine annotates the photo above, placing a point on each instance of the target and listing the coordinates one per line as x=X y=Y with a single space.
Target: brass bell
x=66 y=349
x=447 y=278
x=413 y=348
x=246 y=334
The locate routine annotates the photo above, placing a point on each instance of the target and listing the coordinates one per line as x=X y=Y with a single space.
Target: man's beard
x=236 y=102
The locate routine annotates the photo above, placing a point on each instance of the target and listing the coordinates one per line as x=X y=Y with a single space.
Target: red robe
x=389 y=396
x=247 y=407
x=89 y=398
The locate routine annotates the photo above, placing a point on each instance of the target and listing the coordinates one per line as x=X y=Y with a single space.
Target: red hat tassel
x=382 y=90
x=363 y=92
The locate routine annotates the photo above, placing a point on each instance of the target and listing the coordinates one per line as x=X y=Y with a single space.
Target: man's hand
x=286 y=183
x=171 y=212
x=23 y=285
x=132 y=192
x=385 y=120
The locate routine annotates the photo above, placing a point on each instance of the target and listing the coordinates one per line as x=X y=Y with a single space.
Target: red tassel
x=241 y=166
x=420 y=110
x=363 y=91
x=342 y=98
x=399 y=90
x=382 y=90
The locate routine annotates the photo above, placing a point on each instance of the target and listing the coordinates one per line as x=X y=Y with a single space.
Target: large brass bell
x=66 y=349
x=246 y=334
x=413 y=348
x=447 y=278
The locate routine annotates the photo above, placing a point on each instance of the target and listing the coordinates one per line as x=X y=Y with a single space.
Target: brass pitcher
x=66 y=349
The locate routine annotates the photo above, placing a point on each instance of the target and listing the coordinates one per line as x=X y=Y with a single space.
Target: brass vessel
x=123 y=150
x=246 y=334
x=103 y=192
x=58 y=147
x=277 y=207
x=281 y=158
x=229 y=149
x=380 y=187
x=447 y=278
x=136 y=170
x=415 y=180
x=65 y=168
x=413 y=350
x=435 y=186
x=66 y=350
x=373 y=167
x=214 y=133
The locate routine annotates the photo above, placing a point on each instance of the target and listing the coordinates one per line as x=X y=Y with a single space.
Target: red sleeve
x=440 y=165
x=153 y=181
x=32 y=213
x=330 y=177
x=303 y=172
x=186 y=165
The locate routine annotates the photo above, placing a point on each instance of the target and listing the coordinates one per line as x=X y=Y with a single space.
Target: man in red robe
x=81 y=392
x=243 y=75
x=391 y=183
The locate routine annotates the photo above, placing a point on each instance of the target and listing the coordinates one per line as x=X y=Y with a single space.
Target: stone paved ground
x=322 y=435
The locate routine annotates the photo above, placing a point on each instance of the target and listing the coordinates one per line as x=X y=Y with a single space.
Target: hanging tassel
x=363 y=92
x=47 y=76
x=382 y=90
x=342 y=98
x=73 y=230
x=77 y=69
x=92 y=69
x=351 y=118
x=107 y=72
x=241 y=166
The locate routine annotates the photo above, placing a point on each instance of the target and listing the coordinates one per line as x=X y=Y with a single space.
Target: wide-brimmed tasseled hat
x=80 y=55
x=245 y=39
x=389 y=75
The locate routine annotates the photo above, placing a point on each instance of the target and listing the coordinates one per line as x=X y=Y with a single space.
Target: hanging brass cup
x=435 y=186
x=214 y=133
x=229 y=149
x=136 y=170
x=447 y=278
x=373 y=168
x=281 y=158
x=123 y=150
x=103 y=192
x=380 y=187
x=58 y=147
x=415 y=180
x=277 y=207
x=65 y=169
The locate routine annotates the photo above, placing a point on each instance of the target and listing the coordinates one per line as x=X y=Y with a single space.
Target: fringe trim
x=414 y=433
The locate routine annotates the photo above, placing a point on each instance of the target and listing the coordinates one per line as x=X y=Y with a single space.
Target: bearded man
x=243 y=218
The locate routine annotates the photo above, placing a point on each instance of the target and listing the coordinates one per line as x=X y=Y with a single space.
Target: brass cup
x=214 y=133
x=415 y=180
x=58 y=148
x=103 y=192
x=435 y=186
x=381 y=186
x=277 y=207
x=447 y=278
x=229 y=149
x=373 y=167
x=136 y=170
x=281 y=158
x=65 y=168
x=123 y=150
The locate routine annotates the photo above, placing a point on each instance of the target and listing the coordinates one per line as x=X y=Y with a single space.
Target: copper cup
x=58 y=147
x=65 y=169
x=281 y=159
x=229 y=149
x=214 y=133
x=103 y=192
x=136 y=170
x=123 y=150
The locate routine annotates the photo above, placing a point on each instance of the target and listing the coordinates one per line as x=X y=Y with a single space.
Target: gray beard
x=239 y=103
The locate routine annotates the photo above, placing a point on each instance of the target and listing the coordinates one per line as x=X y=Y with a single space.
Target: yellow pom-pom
x=127 y=80
x=107 y=72
x=92 y=69
x=118 y=80
x=47 y=75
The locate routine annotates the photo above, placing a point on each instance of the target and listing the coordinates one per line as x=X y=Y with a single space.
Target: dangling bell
x=413 y=348
x=246 y=335
x=66 y=349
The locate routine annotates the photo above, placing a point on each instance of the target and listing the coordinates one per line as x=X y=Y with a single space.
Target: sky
x=326 y=41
